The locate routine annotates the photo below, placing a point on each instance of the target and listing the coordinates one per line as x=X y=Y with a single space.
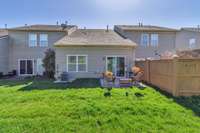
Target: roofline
x=151 y=30
x=37 y=30
x=188 y=30
x=93 y=45
x=50 y=30
x=161 y=30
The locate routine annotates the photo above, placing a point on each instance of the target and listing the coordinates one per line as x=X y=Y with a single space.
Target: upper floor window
x=43 y=40
x=154 y=40
x=145 y=40
x=32 y=40
x=77 y=63
x=192 y=43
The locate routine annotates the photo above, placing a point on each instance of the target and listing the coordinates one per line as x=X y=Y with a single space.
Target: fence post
x=174 y=79
x=147 y=65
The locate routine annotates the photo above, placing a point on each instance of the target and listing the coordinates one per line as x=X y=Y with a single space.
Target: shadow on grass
x=192 y=103
x=49 y=85
x=15 y=82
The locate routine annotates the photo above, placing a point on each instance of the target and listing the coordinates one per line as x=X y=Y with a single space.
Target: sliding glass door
x=116 y=65
x=25 y=67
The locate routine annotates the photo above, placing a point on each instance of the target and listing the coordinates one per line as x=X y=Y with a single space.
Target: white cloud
x=117 y=5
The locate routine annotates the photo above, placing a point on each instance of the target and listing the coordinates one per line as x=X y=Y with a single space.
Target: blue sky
x=99 y=13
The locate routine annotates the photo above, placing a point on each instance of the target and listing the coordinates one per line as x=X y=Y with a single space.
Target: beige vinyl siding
x=96 y=59
x=183 y=37
x=20 y=49
x=4 y=50
x=166 y=42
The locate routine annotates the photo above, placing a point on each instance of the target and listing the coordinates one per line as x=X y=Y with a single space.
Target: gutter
x=94 y=45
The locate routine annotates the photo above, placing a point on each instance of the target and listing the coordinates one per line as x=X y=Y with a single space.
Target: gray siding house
x=82 y=53
x=86 y=53
x=27 y=46
x=4 y=51
x=151 y=40
x=89 y=52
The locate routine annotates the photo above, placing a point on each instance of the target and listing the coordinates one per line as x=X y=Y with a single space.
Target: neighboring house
x=188 y=39
x=4 y=53
x=151 y=40
x=82 y=53
x=27 y=46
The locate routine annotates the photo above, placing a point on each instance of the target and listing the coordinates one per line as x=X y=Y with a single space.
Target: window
x=145 y=40
x=32 y=40
x=82 y=63
x=192 y=43
x=77 y=63
x=43 y=40
x=154 y=40
x=72 y=63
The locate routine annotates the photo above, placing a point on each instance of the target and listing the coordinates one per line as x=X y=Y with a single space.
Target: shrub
x=49 y=63
x=1 y=74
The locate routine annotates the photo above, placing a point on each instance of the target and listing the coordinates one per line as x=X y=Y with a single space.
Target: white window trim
x=47 y=40
x=116 y=57
x=77 y=63
x=194 y=43
x=29 y=40
x=148 y=39
x=157 y=40
x=26 y=74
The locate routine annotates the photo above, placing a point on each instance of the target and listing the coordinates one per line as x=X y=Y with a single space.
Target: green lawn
x=39 y=106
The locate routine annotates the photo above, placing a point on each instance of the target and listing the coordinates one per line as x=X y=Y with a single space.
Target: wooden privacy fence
x=180 y=77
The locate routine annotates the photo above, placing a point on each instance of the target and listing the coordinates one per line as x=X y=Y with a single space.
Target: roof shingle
x=145 y=28
x=94 y=37
x=40 y=27
x=191 y=29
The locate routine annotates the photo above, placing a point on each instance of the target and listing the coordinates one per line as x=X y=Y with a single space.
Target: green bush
x=49 y=63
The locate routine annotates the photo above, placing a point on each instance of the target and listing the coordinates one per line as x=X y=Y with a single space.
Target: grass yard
x=39 y=106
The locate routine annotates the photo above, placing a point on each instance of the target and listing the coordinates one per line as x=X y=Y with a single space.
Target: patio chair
x=108 y=79
x=108 y=76
x=138 y=73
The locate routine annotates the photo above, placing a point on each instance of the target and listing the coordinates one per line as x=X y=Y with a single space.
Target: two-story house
x=79 y=52
x=151 y=40
x=88 y=52
x=27 y=45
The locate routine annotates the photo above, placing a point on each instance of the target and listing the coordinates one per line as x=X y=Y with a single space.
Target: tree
x=49 y=63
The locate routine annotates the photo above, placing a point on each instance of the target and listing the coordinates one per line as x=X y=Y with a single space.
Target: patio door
x=116 y=65
x=25 y=67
